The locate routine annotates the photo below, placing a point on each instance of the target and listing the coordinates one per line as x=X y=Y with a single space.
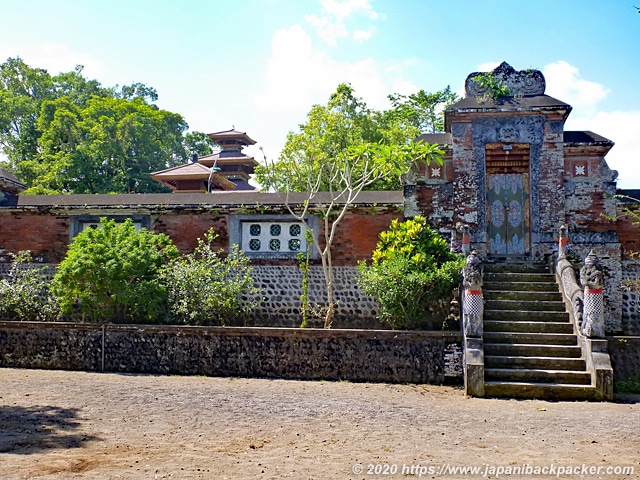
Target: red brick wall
x=46 y=235
x=357 y=235
x=185 y=228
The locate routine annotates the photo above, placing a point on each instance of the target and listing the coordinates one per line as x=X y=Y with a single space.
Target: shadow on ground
x=26 y=430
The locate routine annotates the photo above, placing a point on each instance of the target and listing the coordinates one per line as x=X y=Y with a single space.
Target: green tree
x=347 y=121
x=68 y=134
x=411 y=268
x=110 y=273
x=344 y=182
x=423 y=110
x=208 y=288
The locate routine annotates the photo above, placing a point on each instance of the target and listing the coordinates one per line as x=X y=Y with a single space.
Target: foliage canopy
x=69 y=134
x=333 y=131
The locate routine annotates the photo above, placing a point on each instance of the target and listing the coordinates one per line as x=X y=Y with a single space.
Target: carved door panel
x=508 y=213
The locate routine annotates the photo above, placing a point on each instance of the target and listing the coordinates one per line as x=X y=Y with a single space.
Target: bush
x=111 y=273
x=204 y=288
x=25 y=293
x=412 y=269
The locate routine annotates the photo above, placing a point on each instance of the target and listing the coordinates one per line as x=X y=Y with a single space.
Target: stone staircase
x=530 y=347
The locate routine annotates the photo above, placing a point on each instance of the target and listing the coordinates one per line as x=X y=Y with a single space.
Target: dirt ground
x=60 y=425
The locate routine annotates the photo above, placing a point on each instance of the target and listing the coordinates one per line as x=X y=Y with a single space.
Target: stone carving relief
x=592 y=278
x=520 y=83
x=473 y=306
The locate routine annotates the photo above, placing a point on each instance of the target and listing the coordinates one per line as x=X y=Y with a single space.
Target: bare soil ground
x=60 y=425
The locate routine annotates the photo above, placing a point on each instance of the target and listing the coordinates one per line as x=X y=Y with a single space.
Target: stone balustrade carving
x=586 y=301
x=473 y=303
x=592 y=278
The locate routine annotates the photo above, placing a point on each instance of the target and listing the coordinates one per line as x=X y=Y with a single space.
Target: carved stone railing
x=571 y=290
x=585 y=305
x=472 y=303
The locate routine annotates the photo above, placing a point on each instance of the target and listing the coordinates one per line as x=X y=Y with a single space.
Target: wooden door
x=508 y=216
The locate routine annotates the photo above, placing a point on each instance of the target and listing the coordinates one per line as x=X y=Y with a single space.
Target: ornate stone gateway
x=508 y=206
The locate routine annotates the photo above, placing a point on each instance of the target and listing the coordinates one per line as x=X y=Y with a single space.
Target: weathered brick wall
x=185 y=227
x=627 y=229
x=44 y=233
x=362 y=356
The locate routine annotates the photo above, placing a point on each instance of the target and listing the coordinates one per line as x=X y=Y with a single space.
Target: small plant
x=110 y=273
x=205 y=288
x=496 y=89
x=25 y=293
x=303 y=261
x=412 y=268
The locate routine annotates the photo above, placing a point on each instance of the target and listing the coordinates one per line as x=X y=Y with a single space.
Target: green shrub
x=205 y=288
x=412 y=268
x=110 y=274
x=25 y=293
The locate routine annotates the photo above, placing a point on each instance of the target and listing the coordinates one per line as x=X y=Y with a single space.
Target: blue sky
x=259 y=65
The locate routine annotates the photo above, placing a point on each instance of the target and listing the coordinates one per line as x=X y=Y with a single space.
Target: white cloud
x=565 y=83
x=299 y=75
x=362 y=35
x=342 y=10
x=55 y=58
x=331 y=25
x=327 y=30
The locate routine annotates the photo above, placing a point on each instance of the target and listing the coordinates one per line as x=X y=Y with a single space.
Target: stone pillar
x=592 y=279
x=564 y=241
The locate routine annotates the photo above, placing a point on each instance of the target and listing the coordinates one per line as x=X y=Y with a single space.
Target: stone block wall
x=625 y=357
x=281 y=304
x=309 y=354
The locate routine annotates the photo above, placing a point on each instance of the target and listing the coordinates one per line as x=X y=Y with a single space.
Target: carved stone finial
x=563 y=242
x=520 y=83
x=472 y=272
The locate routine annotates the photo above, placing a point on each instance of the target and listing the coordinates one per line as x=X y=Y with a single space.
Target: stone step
x=548 y=363
x=546 y=391
x=527 y=327
x=513 y=338
x=531 y=316
x=526 y=295
x=532 y=350
x=537 y=376
x=519 y=277
x=490 y=285
x=513 y=267
x=524 y=305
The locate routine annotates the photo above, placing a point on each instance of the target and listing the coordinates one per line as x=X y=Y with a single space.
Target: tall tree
x=346 y=121
x=344 y=182
x=68 y=134
x=423 y=110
